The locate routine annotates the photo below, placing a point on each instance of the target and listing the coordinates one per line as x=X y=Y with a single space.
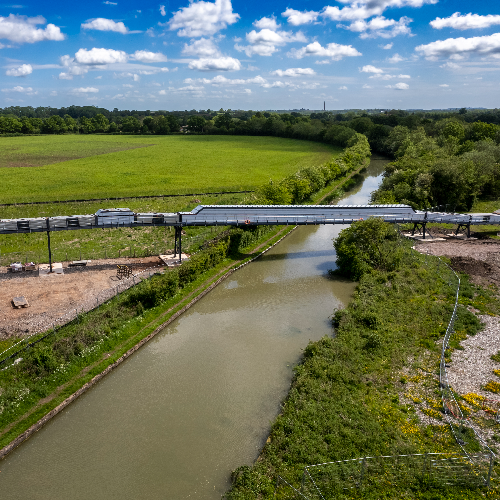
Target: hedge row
x=298 y=187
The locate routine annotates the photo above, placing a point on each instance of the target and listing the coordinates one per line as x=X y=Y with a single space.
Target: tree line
x=440 y=157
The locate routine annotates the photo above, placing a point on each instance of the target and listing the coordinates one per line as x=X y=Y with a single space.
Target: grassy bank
x=352 y=395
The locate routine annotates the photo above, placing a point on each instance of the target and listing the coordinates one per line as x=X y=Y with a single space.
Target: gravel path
x=472 y=368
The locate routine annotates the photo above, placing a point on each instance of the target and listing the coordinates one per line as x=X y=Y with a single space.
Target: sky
x=181 y=54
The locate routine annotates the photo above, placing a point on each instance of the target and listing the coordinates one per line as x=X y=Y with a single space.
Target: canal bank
x=198 y=401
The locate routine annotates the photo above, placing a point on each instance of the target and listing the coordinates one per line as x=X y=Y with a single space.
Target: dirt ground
x=479 y=258
x=52 y=296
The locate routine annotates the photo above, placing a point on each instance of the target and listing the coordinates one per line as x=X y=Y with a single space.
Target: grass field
x=94 y=244
x=46 y=168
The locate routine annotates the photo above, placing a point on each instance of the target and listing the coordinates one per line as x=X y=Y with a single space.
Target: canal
x=197 y=401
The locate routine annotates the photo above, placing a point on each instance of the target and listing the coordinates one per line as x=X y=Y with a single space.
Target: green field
x=47 y=168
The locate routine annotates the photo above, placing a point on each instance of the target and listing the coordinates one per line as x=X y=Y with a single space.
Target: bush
x=367 y=245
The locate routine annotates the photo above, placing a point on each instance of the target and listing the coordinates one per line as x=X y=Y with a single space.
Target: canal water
x=197 y=401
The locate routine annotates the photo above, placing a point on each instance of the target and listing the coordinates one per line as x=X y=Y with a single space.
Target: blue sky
x=177 y=55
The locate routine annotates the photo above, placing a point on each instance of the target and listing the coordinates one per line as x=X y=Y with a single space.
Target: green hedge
x=298 y=187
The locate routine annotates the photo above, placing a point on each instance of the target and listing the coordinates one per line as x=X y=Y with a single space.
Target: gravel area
x=472 y=368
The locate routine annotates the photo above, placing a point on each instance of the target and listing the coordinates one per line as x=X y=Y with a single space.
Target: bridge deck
x=248 y=215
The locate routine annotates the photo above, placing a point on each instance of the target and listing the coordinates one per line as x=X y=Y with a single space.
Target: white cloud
x=387 y=46
x=222 y=81
x=85 y=90
x=153 y=71
x=135 y=77
x=266 y=41
x=467 y=22
x=395 y=58
x=460 y=48
x=386 y=76
x=23 y=70
x=297 y=18
x=73 y=69
x=370 y=69
x=19 y=89
x=150 y=57
x=53 y=93
x=380 y=27
x=399 y=86
x=294 y=72
x=366 y=86
x=203 y=18
x=266 y=22
x=215 y=64
x=162 y=10
x=102 y=24
x=22 y=29
x=343 y=87
x=201 y=48
x=450 y=65
x=444 y=85
x=100 y=56
x=333 y=50
x=369 y=8
x=107 y=2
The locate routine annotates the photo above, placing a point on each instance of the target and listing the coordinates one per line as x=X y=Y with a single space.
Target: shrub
x=366 y=245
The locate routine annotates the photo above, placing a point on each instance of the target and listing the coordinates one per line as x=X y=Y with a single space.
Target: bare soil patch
x=53 y=296
x=480 y=259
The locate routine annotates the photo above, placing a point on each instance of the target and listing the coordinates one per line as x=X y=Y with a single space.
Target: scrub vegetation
x=349 y=394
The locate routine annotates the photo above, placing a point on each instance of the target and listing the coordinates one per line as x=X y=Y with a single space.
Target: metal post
x=363 y=467
x=488 y=479
x=180 y=245
x=175 y=242
x=48 y=240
